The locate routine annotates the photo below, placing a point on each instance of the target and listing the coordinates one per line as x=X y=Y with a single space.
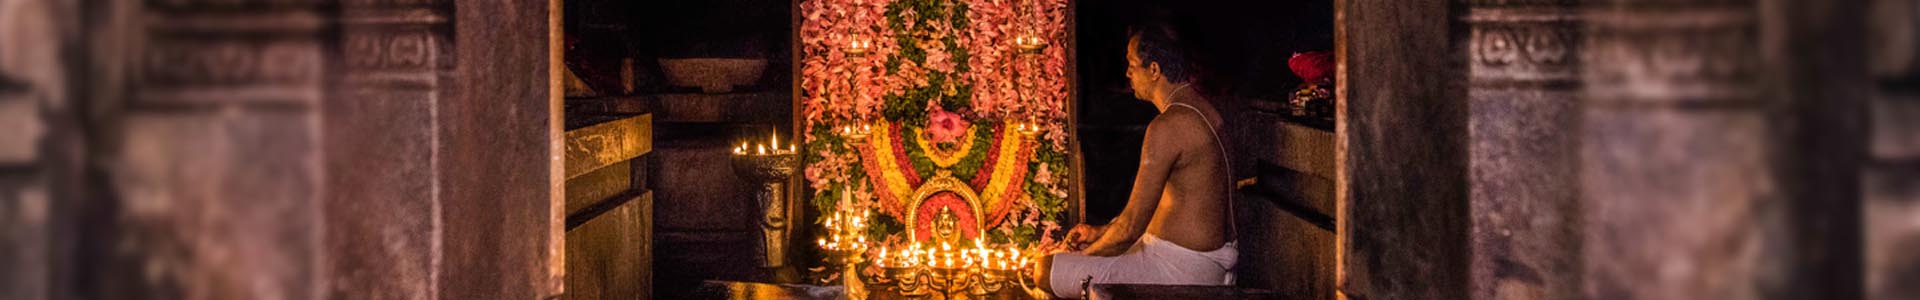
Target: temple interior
x=944 y=149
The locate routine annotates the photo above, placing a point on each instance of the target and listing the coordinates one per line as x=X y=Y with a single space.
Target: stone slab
x=1295 y=258
x=600 y=145
x=600 y=185
x=611 y=256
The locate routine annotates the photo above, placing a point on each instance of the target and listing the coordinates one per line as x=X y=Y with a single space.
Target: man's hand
x=1083 y=235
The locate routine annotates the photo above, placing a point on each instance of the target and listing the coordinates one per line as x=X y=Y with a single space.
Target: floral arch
x=970 y=95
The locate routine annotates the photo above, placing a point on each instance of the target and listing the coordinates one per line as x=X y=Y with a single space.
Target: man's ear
x=1155 y=68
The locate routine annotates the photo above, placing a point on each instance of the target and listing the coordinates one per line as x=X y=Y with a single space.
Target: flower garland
x=940 y=79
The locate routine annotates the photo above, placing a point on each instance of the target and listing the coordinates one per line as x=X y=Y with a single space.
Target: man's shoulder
x=1179 y=121
x=1181 y=127
x=1172 y=116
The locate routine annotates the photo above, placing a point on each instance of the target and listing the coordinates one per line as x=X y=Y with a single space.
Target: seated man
x=1176 y=227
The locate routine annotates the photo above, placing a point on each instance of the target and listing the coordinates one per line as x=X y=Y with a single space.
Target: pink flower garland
x=837 y=86
x=1010 y=84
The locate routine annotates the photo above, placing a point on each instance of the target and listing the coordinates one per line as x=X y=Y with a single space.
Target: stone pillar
x=383 y=210
x=211 y=161
x=498 y=155
x=1679 y=192
x=1402 y=192
x=1892 y=174
x=1523 y=80
x=38 y=157
x=1717 y=143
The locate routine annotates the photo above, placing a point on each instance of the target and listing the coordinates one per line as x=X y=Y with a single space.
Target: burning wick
x=858 y=46
x=1027 y=42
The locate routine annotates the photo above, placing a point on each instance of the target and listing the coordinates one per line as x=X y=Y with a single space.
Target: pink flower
x=945 y=126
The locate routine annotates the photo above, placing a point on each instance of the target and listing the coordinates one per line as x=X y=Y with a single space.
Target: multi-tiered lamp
x=845 y=242
x=1028 y=41
x=948 y=270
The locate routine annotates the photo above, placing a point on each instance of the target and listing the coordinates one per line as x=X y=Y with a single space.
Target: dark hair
x=1160 y=44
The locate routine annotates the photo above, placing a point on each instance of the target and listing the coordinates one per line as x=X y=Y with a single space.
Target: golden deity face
x=946 y=225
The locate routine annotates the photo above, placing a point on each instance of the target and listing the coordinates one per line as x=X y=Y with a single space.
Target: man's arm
x=1158 y=153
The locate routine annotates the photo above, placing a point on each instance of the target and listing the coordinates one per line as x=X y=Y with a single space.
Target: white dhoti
x=1149 y=261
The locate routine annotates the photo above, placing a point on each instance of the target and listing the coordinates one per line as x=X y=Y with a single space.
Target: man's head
x=1155 y=60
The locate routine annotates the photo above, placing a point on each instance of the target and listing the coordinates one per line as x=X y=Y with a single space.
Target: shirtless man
x=1176 y=227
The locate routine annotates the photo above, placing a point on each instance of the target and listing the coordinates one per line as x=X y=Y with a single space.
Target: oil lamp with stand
x=770 y=165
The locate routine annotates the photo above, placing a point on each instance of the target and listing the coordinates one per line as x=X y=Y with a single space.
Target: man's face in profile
x=1139 y=73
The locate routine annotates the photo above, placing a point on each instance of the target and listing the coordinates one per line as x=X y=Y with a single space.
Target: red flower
x=1313 y=66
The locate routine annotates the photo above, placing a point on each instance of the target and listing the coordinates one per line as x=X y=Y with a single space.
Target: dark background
x=1239 y=47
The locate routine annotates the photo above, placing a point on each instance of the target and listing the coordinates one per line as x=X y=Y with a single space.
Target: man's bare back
x=1192 y=211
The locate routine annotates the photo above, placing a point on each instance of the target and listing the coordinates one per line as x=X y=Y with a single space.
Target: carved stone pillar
x=38 y=159
x=383 y=213
x=211 y=159
x=1719 y=146
x=1892 y=176
x=1523 y=85
x=1678 y=196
